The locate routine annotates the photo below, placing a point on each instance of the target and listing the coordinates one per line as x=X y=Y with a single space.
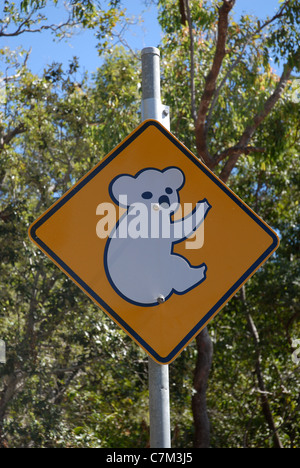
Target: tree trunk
x=266 y=408
x=203 y=365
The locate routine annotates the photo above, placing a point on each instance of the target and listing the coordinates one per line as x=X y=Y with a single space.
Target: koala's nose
x=164 y=201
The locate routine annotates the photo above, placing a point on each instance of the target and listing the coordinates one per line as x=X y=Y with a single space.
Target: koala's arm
x=184 y=228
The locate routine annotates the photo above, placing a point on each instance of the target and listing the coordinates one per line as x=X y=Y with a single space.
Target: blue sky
x=45 y=51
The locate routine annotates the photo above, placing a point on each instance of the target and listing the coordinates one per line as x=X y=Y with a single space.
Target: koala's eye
x=169 y=190
x=147 y=195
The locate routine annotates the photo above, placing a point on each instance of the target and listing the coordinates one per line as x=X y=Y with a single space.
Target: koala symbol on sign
x=139 y=260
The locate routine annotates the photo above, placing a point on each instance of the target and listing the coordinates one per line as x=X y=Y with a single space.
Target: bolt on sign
x=155 y=239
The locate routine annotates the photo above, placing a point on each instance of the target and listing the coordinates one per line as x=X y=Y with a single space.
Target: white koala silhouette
x=139 y=259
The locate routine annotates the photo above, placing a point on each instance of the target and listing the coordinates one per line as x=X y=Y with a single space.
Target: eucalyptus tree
x=241 y=118
x=232 y=93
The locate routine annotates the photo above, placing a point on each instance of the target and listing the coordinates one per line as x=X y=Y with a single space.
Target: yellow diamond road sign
x=155 y=239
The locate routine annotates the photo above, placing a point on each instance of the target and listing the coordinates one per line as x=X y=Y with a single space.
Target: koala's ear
x=119 y=190
x=175 y=176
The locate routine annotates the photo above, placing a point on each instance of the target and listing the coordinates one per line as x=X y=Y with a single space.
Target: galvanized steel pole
x=159 y=401
x=159 y=405
x=152 y=108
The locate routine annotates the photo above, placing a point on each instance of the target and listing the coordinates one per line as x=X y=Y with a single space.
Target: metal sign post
x=2 y=352
x=159 y=403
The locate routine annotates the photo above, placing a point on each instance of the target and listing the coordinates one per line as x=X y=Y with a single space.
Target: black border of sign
x=61 y=202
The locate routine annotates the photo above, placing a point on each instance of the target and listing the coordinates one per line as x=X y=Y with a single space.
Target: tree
x=228 y=68
x=61 y=383
x=29 y=17
x=51 y=344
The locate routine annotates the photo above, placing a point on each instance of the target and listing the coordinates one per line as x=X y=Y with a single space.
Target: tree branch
x=199 y=407
x=266 y=409
x=210 y=84
x=237 y=150
x=12 y=385
x=4 y=140
x=238 y=59
x=192 y=59
x=182 y=10
x=18 y=31
x=22 y=67
x=26 y=27
x=257 y=120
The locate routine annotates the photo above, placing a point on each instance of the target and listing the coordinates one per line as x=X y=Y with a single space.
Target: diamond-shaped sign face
x=155 y=239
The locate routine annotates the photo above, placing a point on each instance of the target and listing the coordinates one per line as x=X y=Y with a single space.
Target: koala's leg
x=184 y=276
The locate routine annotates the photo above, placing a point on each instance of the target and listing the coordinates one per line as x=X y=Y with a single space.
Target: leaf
x=78 y=430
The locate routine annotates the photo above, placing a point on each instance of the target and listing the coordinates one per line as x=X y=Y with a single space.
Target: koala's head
x=149 y=186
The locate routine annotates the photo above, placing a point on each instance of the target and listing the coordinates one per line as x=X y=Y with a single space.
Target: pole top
x=151 y=50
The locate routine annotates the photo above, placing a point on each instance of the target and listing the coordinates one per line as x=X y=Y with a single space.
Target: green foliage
x=30 y=16
x=72 y=378
x=284 y=39
x=269 y=183
x=69 y=125
x=234 y=395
